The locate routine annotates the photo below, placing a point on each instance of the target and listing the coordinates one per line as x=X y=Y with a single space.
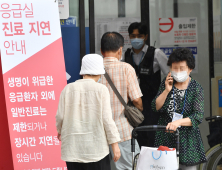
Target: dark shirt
x=191 y=145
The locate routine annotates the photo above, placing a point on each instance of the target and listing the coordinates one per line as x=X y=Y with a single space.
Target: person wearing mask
x=124 y=78
x=84 y=120
x=180 y=102
x=148 y=63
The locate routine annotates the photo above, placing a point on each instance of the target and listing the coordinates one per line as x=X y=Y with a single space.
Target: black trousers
x=103 y=164
x=151 y=118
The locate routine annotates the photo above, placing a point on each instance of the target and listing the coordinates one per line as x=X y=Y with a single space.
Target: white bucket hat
x=92 y=64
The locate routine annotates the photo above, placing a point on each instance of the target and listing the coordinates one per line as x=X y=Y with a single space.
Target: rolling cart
x=150 y=128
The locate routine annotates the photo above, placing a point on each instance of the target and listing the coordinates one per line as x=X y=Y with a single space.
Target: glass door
x=217 y=80
x=191 y=19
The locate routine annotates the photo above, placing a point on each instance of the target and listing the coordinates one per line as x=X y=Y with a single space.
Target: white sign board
x=119 y=25
x=33 y=70
x=63 y=9
x=178 y=31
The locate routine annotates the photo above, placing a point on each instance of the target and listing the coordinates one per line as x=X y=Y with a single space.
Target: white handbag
x=151 y=158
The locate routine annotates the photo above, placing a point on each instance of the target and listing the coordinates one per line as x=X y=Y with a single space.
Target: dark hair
x=138 y=25
x=111 y=41
x=121 y=39
x=182 y=54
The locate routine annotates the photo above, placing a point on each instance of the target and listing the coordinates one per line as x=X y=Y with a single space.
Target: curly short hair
x=182 y=54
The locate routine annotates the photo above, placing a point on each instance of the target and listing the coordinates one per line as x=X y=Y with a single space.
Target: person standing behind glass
x=180 y=102
x=148 y=63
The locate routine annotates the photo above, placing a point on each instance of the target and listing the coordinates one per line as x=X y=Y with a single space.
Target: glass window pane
x=86 y=13
x=87 y=26
x=216 y=86
x=74 y=9
x=107 y=18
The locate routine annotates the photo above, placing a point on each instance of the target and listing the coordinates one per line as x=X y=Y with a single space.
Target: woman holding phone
x=180 y=102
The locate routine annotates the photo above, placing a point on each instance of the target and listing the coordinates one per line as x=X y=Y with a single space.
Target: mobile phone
x=171 y=83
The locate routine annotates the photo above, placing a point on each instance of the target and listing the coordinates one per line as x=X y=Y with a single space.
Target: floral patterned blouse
x=191 y=145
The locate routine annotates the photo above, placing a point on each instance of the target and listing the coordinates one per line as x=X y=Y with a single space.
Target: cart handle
x=153 y=128
x=213 y=118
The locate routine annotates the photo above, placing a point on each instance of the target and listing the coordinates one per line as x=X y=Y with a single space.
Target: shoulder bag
x=133 y=115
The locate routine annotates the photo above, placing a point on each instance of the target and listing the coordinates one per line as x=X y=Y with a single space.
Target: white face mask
x=180 y=76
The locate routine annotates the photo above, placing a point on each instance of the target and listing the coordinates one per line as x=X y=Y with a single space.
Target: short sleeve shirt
x=124 y=78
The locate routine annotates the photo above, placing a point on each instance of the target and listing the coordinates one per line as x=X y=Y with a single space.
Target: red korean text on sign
x=16 y=10
x=14 y=46
x=11 y=29
x=42 y=28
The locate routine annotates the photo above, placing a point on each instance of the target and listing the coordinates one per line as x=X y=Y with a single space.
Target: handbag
x=152 y=158
x=133 y=115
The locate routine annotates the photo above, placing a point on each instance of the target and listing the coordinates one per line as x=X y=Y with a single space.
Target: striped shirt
x=124 y=78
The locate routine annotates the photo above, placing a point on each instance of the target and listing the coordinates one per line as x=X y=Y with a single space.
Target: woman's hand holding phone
x=169 y=82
